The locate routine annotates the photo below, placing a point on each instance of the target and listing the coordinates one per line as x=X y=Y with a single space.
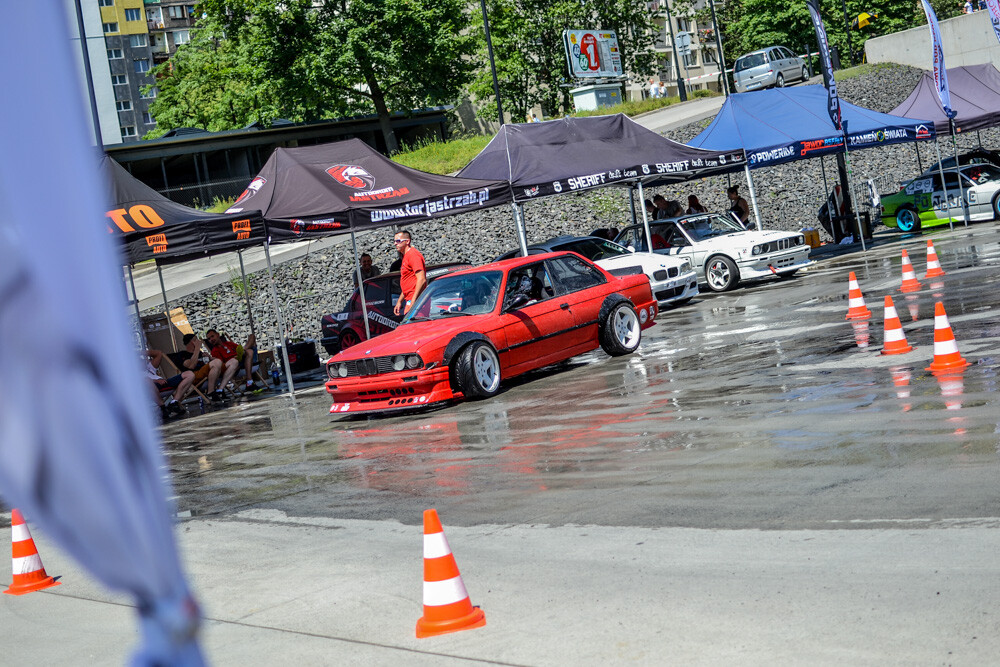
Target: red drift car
x=471 y=328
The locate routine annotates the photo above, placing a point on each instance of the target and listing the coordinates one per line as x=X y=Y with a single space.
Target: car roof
x=546 y=245
x=514 y=262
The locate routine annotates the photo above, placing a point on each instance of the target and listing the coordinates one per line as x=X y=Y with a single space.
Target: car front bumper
x=681 y=288
x=403 y=390
x=774 y=264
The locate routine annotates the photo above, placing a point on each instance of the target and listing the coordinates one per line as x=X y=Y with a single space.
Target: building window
x=136 y=41
x=133 y=14
x=147 y=118
x=119 y=80
x=127 y=130
x=691 y=59
x=182 y=37
x=141 y=65
x=147 y=94
x=105 y=3
x=110 y=27
x=124 y=105
x=175 y=12
x=115 y=54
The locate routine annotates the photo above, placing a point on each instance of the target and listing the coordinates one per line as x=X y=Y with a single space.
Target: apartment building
x=700 y=66
x=170 y=24
x=129 y=58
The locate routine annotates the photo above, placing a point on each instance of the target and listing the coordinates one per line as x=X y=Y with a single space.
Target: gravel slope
x=788 y=196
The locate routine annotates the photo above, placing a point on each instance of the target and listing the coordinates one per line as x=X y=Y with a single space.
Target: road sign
x=683 y=41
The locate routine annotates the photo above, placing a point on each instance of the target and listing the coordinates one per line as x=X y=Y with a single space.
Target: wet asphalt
x=761 y=408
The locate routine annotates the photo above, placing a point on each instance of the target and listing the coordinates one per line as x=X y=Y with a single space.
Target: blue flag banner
x=833 y=101
x=940 y=73
x=994 y=7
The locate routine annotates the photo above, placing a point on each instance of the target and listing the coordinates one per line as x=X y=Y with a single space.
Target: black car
x=346 y=328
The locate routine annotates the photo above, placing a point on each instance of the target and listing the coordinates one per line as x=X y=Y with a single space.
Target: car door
x=537 y=331
x=788 y=65
x=979 y=193
x=633 y=237
x=577 y=286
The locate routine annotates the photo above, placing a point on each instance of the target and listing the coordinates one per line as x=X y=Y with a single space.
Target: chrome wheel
x=627 y=329
x=486 y=367
x=721 y=274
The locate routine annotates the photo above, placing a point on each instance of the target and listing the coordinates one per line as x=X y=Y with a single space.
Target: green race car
x=923 y=202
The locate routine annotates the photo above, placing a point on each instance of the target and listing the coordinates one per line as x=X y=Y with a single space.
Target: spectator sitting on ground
x=180 y=383
x=194 y=358
x=368 y=270
x=694 y=206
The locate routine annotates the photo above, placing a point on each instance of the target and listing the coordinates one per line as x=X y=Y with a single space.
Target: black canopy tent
x=576 y=154
x=347 y=186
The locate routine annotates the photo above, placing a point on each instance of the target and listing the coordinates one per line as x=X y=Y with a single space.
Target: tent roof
x=329 y=188
x=154 y=227
x=975 y=97
x=572 y=154
x=785 y=124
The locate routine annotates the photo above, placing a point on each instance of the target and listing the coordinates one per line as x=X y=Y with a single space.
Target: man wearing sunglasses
x=412 y=274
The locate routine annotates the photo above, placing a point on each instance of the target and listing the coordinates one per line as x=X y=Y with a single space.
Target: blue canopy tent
x=784 y=124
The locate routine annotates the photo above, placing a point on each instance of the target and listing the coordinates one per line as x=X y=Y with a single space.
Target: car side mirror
x=630 y=248
x=517 y=301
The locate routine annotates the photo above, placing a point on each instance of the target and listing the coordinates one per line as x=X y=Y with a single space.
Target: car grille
x=664 y=294
x=368 y=366
x=783 y=244
x=663 y=274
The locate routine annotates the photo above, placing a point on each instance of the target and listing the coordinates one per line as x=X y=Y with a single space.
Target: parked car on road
x=346 y=328
x=722 y=252
x=672 y=279
x=764 y=68
x=925 y=202
x=472 y=329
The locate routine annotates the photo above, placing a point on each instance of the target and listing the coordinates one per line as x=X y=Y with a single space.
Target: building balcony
x=160 y=57
x=154 y=25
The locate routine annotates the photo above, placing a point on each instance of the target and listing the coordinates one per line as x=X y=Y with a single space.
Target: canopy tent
x=975 y=97
x=333 y=188
x=154 y=227
x=574 y=154
x=785 y=124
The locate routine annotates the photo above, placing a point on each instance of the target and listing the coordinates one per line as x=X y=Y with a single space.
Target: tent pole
x=140 y=339
x=944 y=184
x=361 y=283
x=166 y=310
x=979 y=137
x=753 y=197
x=631 y=202
x=645 y=220
x=850 y=185
x=519 y=221
x=246 y=293
x=281 y=324
x=958 y=174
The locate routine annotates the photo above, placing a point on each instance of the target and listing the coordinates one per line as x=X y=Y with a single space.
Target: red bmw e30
x=472 y=328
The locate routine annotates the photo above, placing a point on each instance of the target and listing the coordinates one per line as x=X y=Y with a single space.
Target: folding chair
x=177 y=371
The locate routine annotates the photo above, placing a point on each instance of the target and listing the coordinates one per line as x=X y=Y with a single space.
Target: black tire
x=805 y=74
x=907 y=220
x=779 y=81
x=349 y=338
x=620 y=332
x=721 y=273
x=996 y=207
x=477 y=370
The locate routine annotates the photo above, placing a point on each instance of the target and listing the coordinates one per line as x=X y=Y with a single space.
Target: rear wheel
x=477 y=370
x=721 y=273
x=620 y=332
x=349 y=338
x=805 y=73
x=907 y=220
x=780 y=81
x=996 y=207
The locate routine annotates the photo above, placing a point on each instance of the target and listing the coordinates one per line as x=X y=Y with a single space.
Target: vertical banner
x=940 y=73
x=994 y=7
x=833 y=103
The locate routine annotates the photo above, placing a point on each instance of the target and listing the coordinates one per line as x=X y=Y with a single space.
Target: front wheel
x=907 y=220
x=477 y=370
x=620 y=331
x=780 y=81
x=721 y=274
x=996 y=207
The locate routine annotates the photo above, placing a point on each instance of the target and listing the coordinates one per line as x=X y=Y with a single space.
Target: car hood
x=746 y=239
x=414 y=337
x=649 y=262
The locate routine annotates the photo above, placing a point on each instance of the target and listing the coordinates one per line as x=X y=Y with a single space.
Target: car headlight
x=336 y=370
x=686 y=265
x=758 y=250
x=414 y=361
x=398 y=362
x=342 y=370
x=801 y=240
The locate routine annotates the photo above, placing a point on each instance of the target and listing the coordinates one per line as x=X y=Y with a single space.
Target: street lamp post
x=677 y=66
x=493 y=65
x=847 y=24
x=718 y=45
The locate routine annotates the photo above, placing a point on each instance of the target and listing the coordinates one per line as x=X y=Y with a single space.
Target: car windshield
x=752 y=60
x=455 y=296
x=709 y=226
x=592 y=249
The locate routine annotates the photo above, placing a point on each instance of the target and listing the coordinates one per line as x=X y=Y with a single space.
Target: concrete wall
x=967 y=40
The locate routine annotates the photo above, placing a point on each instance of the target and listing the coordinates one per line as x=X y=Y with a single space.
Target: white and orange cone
x=29 y=574
x=910 y=283
x=934 y=269
x=856 y=308
x=894 y=337
x=947 y=358
x=447 y=607
x=862 y=336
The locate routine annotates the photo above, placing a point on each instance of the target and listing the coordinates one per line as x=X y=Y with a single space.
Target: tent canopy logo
x=352 y=176
x=252 y=189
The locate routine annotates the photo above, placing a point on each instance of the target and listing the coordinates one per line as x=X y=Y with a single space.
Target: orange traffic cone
x=946 y=355
x=29 y=574
x=934 y=269
x=910 y=283
x=447 y=607
x=895 y=339
x=856 y=308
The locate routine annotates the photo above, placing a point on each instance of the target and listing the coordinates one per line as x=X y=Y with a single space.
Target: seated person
x=180 y=383
x=659 y=242
x=232 y=357
x=194 y=358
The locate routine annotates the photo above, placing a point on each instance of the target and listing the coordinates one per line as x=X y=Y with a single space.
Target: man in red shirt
x=412 y=276
x=226 y=351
